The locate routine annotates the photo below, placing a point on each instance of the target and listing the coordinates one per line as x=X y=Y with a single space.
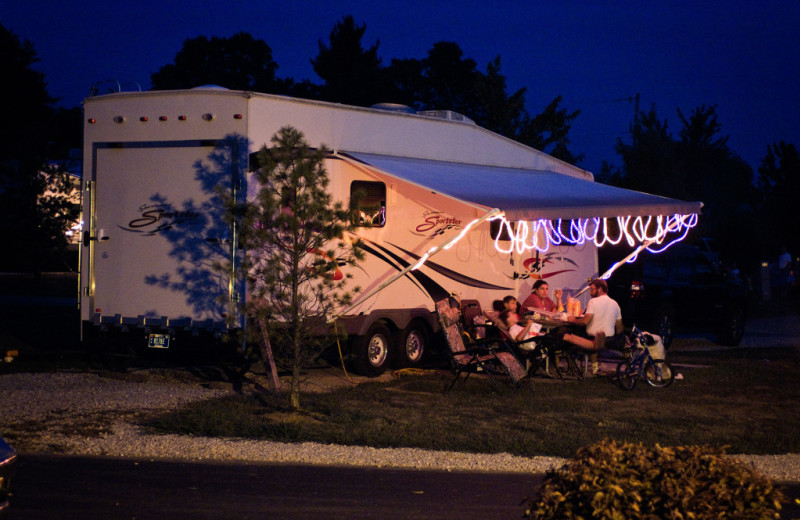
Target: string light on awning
x=657 y=232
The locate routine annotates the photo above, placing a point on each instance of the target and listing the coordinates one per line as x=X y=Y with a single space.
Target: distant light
x=208 y=116
x=144 y=119
x=237 y=116
x=162 y=118
x=181 y=118
x=764 y=264
x=119 y=119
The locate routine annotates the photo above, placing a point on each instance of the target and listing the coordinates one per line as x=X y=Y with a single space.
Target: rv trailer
x=154 y=227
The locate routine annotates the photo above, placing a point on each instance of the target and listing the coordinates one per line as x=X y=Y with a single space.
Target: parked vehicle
x=680 y=289
x=8 y=466
x=153 y=162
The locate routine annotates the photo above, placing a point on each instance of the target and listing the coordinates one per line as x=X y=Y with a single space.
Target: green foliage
x=298 y=241
x=620 y=480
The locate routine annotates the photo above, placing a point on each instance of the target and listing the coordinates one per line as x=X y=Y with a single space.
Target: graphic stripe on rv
x=454 y=275
x=423 y=281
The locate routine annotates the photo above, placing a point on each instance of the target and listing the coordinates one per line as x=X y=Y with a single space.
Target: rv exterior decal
x=421 y=280
x=454 y=275
x=154 y=218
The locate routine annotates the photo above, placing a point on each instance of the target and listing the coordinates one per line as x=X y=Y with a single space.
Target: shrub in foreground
x=618 y=480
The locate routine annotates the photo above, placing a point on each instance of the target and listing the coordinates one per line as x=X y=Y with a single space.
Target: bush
x=618 y=480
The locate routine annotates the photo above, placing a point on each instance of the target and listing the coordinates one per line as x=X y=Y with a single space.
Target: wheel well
x=420 y=322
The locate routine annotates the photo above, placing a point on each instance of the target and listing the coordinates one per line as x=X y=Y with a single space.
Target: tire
x=626 y=376
x=411 y=345
x=664 y=324
x=659 y=373
x=372 y=352
x=732 y=329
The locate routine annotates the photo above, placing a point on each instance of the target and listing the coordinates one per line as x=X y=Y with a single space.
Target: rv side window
x=499 y=231
x=368 y=203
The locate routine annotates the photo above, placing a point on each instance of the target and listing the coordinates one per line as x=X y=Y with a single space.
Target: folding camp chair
x=485 y=354
x=474 y=319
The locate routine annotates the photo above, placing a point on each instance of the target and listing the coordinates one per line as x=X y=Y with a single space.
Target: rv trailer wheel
x=411 y=345
x=372 y=351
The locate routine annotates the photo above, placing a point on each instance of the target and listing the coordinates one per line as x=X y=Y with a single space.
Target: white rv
x=154 y=226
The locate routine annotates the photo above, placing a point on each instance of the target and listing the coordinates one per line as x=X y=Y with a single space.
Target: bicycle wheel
x=626 y=376
x=659 y=373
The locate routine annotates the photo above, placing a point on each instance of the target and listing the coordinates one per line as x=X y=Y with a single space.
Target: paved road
x=84 y=488
x=775 y=326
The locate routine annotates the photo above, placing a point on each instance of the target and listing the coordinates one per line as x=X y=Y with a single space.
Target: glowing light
x=541 y=234
x=450 y=243
x=672 y=226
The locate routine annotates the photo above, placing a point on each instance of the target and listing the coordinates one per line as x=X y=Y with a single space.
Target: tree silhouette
x=446 y=80
x=37 y=197
x=240 y=62
x=698 y=165
x=352 y=75
x=779 y=182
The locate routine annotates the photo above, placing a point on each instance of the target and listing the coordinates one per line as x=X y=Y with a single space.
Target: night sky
x=743 y=56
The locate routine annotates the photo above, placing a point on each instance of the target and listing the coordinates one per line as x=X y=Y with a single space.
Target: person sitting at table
x=510 y=304
x=518 y=331
x=602 y=315
x=540 y=300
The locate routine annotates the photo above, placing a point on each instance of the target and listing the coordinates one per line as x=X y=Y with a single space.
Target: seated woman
x=540 y=300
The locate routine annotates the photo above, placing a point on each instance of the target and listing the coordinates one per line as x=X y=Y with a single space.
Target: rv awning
x=525 y=194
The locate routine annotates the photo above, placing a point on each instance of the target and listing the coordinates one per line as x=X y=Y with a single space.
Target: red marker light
x=143 y=119
x=92 y=120
x=181 y=118
x=237 y=116
x=162 y=118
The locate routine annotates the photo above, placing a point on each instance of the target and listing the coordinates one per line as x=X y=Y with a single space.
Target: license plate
x=158 y=341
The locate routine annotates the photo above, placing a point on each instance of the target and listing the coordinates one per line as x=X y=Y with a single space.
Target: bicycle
x=639 y=364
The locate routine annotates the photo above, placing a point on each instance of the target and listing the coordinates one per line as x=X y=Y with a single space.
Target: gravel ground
x=94 y=414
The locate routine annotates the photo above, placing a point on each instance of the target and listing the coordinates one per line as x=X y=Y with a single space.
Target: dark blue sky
x=743 y=56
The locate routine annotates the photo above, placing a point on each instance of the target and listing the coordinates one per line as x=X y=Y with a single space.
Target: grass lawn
x=746 y=399
x=746 y=403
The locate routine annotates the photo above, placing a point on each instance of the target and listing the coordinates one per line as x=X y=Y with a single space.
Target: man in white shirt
x=602 y=315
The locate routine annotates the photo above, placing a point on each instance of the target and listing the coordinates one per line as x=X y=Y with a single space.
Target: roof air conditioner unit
x=447 y=114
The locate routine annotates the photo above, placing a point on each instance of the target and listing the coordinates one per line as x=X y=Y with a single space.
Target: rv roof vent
x=209 y=87
x=394 y=107
x=447 y=114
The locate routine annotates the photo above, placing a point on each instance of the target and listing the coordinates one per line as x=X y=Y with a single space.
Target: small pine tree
x=294 y=234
